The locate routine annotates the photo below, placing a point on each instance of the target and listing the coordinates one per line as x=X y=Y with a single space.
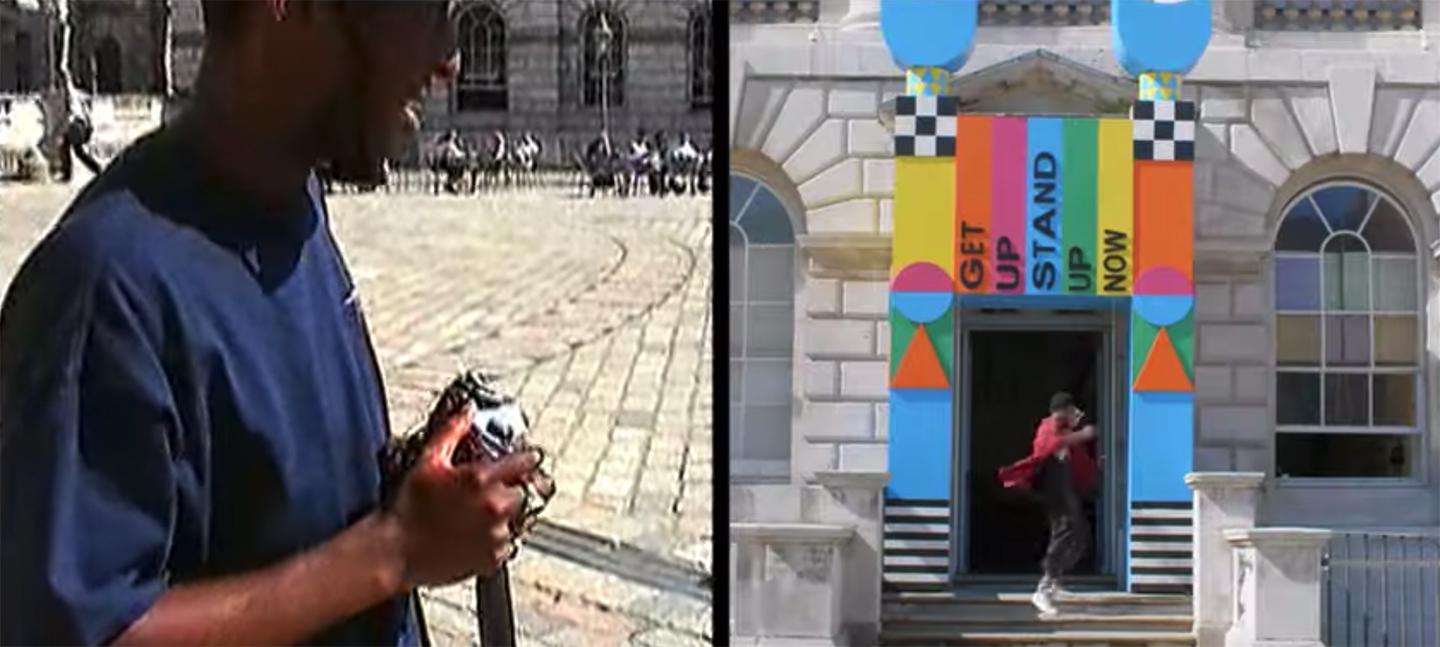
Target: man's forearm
x=284 y=603
x=1077 y=437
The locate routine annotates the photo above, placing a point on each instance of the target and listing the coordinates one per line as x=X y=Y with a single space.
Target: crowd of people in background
x=650 y=164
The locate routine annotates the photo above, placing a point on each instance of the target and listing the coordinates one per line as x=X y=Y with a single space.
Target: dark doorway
x=1012 y=376
x=106 y=67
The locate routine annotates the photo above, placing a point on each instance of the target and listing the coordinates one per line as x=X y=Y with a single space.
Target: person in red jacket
x=1061 y=468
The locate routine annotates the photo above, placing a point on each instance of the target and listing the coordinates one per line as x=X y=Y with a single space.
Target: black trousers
x=1069 y=531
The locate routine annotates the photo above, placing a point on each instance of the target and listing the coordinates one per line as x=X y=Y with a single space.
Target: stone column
x=788 y=582
x=1223 y=501
x=1277 y=587
x=855 y=498
x=863 y=14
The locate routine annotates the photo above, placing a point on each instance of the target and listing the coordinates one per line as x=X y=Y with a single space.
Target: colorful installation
x=1159 y=44
x=1035 y=211
x=922 y=363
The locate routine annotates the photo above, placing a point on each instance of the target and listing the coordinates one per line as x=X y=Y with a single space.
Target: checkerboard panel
x=1164 y=130
x=925 y=126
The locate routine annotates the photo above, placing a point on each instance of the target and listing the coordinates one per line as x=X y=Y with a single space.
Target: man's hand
x=449 y=522
x=455 y=519
x=1085 y=434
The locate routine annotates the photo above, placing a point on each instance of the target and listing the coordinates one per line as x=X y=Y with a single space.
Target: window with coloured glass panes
x=762 y=330
x=1348 y=336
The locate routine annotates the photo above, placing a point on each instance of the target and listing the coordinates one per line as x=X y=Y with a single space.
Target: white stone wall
x=1279 y=112
x=845 y=340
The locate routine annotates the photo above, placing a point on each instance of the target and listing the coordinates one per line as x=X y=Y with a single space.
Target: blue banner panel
x=920 y=455
x=1042 y=206
x=1162 y=445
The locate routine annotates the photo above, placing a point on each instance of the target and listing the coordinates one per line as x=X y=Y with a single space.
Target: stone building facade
x=541 y=65
x=1292 y=103
x=535 y=66
x=530 y=65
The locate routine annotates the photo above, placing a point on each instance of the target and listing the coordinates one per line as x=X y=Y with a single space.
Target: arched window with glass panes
x=762 y=325
x=481 y=84
x=1348 y=336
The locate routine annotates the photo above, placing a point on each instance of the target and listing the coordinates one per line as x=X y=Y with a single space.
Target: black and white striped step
x=916 y=550
x=1161 y=547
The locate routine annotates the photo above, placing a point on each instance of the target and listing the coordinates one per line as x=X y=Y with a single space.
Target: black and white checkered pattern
x=1164 y=130
x=925 y=126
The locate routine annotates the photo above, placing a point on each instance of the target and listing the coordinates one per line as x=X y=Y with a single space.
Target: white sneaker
x=1044 y=601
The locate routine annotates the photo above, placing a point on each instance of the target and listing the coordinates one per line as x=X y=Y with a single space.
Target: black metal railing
x=1381 y=590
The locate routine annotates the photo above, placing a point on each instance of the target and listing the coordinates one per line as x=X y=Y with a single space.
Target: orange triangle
x=920 y=368
x=1162 y=370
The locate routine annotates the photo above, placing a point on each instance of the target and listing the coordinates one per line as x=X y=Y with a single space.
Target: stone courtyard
x=597 y=313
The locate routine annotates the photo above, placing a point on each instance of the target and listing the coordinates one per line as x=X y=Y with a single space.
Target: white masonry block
x=866 y=298
x=1224 y=102
x=837 y=422
x=879 y=177
x=1247 y=145
x=863 y=457
x=1419 y=139
x=868 y=379
x=1312 y=110
x=803 y=109
x=759 y=105
x=1391 y=116
x=824 y=147
x=822 y=296
x=868 y=137
x=1243 y=423
x=840 y=338
x=1248 y=343
x=1352 y=93
x=855 y=99
x=821 y=378
x=1212 y=383
x=1272 y=120
x=833 y=184
x=851 y=216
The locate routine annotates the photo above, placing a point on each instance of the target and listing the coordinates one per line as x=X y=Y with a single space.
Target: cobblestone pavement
x=597 y=312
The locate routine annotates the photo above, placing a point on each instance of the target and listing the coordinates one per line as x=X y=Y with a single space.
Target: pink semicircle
x=1162 y=281
x=922 y=277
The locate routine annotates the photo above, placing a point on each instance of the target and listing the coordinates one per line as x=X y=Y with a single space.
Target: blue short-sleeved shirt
x=187 y=390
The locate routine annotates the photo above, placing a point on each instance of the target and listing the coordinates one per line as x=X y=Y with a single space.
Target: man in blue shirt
x=191 y=415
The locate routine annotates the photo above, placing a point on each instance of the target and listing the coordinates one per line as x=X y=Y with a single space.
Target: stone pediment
x=1038 y=82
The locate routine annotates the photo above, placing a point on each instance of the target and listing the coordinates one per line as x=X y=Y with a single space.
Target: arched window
x=482 y=84
x=106 y=67
x=701 y=72
x=602 y=64
x=1348 y=331
x=762 y=316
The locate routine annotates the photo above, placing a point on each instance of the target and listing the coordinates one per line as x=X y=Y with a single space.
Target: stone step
x=938 y=636
x=966 y=605
x=1030 y=621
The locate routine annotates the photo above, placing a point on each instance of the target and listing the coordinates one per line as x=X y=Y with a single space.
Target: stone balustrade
x=787 y=583
x=1223 y=501
x=1338 y=15
x=1277 y=587
x=774 y=11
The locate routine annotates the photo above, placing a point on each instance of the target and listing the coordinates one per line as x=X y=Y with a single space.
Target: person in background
x=1061 y=469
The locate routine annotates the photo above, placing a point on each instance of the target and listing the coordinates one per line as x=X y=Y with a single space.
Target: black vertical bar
x=720 y=318
x=494 y=611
